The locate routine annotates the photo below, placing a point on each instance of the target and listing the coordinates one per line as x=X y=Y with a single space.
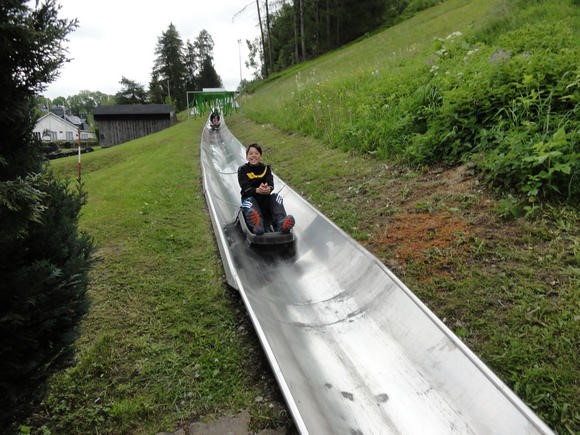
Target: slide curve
x=354 y=351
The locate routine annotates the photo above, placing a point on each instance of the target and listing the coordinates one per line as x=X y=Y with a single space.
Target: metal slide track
x=354 y=351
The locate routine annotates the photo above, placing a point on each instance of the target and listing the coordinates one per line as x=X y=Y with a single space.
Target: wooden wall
x=116 y=131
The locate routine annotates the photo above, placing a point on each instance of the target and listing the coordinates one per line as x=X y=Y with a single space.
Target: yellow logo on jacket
x=253 y=176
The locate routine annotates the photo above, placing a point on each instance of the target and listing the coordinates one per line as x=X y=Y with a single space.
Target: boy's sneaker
x=287 y=224
x=256 y=222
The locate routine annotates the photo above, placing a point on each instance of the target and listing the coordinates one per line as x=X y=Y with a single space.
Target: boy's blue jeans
x=260 y=209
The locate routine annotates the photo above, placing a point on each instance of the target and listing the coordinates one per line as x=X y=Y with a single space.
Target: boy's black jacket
x=251 y=176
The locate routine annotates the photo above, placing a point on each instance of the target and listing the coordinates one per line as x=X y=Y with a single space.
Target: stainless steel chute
x=353 y=349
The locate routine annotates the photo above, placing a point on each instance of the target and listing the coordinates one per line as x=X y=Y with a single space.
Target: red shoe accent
x=254 y=217
x=256 y=222
x=288 y=224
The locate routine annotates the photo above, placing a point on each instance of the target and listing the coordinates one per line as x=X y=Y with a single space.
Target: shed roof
x=134 y=109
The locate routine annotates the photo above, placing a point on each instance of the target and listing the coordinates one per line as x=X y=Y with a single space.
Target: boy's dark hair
x=254 y=145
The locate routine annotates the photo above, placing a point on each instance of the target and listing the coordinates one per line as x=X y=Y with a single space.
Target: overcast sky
x=117 y=38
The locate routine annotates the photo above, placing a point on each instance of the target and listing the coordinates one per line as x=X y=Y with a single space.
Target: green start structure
x=201 y=102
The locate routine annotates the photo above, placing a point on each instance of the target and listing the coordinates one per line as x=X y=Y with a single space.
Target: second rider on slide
x=258 y=201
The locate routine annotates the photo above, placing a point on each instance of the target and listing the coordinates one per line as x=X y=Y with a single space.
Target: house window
x=53 y=135
x=69 y=135
x=37 y=135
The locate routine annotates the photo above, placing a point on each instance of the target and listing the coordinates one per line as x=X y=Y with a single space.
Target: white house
x=52 y=127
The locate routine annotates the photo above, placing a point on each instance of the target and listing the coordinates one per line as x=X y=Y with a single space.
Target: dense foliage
x=131 y=93
x=43 y=258
x=505 y=95
x=511 y=103
x=81 y=104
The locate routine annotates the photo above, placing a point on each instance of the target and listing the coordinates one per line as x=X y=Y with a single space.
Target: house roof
x=64 y=122
x=74 y=119
x=134 y=109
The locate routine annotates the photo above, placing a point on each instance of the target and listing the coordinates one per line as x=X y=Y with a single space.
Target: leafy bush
x=515 y=105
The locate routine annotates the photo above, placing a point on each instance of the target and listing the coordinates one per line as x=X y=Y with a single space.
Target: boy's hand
x=264 y=189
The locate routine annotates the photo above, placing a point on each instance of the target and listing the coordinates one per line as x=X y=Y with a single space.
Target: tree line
x=291 y=32
x=297 y=30
x=178 y=67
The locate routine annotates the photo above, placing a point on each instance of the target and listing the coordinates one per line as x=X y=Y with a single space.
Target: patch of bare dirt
x=432 y=217
x=430 y=236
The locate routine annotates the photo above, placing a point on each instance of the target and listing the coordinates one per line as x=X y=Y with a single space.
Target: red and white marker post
x=79 y=158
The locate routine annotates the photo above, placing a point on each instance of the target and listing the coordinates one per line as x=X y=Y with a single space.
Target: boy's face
x=253 y=156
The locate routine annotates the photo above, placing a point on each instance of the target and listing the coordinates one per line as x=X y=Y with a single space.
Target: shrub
x=514 y=104
x=43 y=258
x=42 y=298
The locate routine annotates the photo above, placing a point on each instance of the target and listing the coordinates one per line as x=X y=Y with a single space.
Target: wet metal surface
x=353 y=349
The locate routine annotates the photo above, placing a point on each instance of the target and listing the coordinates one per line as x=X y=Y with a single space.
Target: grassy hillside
x=383 y=52
x=493 y=82
x=167 y=342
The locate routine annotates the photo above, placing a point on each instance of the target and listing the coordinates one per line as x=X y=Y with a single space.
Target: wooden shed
x=125 y=122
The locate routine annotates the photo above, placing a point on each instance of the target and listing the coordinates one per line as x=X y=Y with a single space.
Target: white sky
x=117 y=38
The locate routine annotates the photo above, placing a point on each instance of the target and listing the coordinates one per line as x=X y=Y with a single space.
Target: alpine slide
x=353 y=350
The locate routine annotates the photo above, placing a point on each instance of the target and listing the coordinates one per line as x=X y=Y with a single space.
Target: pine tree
x=44 y=259
x=169 y=71
x=131 y=93
x=191 y=67
x=207 y=76
x=156 y=90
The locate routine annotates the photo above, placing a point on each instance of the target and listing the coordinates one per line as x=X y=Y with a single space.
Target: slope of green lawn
x=165 y=340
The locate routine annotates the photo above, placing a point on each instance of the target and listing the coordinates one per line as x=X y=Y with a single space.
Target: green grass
x=384 y=52
x=165 y=340
x=494 y=82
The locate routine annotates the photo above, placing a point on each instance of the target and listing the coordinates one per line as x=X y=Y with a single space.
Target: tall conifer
x=43 y=258
x=169 y=71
